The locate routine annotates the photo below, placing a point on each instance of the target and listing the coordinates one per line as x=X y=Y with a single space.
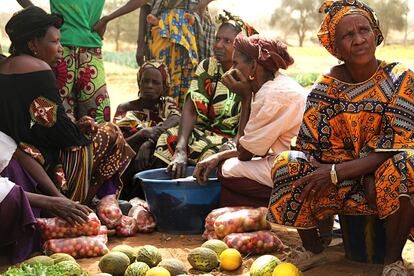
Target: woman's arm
x=178 y=164
x=142 y=52
x=61 y=207
x=37 y=172
x=318 y=180
x=131 y=5
x=25 y=3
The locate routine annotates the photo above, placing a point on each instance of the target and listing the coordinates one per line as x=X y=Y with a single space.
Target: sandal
x=395 y=269
x=304 y=259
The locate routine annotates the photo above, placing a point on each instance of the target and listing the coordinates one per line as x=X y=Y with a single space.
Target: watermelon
x=149 y=254
x=137 y=269
x=264 y=265
x=202 y=258
x=114 y=263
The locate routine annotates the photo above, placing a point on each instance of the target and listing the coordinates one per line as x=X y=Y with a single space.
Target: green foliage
x=38 y=270
x=307 y=79
x=121 y=58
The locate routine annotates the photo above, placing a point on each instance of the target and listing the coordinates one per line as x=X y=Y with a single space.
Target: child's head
x=153 y=80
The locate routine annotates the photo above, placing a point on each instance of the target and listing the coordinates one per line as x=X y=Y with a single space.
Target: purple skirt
x=18 y=234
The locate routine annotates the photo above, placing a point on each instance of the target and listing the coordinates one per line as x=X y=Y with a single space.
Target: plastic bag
x=109 y=212
x=137 y=201
x=80 y=247
x=127 y=228
x=52 y=228
x=145 y=221
x=241 y=221
x=259 y=242
x=209 y=232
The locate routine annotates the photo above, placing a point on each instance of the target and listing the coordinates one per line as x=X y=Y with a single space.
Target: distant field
x=309 y=63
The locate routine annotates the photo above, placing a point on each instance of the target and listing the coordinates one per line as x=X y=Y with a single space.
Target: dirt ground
x=178 y=246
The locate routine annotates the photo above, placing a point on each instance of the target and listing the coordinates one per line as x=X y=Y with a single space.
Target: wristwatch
x=334 y=177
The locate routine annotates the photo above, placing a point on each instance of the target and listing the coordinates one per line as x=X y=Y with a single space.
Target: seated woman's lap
x=393 y=179
x=242 y=191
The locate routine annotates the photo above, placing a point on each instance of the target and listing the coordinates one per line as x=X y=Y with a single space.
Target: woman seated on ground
x=21 y=202
x=143 y=120
x=211 y=112
x=83 y=159
x=275 y=103
x=353 y=142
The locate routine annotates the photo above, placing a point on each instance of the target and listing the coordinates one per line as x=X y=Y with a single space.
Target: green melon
x=202 y=258
x=137 y=269
x=264 y=265
x=149 y=254
x=72 y=268
x=114 y=263
x=174 y=266
x=128 y=250
x=60 y=257
x=44 y=260
x=217 y=246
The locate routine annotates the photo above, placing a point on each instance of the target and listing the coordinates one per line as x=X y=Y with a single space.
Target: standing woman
x=355 y=142
x=80 y=74
x=82 y=158
x=178 y=32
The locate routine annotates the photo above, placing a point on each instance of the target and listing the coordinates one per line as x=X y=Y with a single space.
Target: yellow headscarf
x=335 y=10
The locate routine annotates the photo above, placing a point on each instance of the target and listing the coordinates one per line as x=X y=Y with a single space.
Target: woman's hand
x=87 y=125
x=178 y=166
x=234 y=80
x=100 y=26
x=315 y=183
x=70 y=211
x=204 y=168
x=144 y=156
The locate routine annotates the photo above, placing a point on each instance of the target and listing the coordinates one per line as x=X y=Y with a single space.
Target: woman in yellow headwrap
x=355 y=144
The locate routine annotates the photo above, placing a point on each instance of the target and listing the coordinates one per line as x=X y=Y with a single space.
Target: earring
x=339 y=61
x=251 y=78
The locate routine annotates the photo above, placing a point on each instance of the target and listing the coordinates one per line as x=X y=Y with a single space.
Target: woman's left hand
x=87 y=125
x=144 y=156
x=100 y=27
x=315 y=183
x=234 y=80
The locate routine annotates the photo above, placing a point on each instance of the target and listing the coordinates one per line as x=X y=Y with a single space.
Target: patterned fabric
x=43 y=112
x=173 y=42
x=204 y=29
x=81 y=83
x=335 y=11
x=343 y=122
x=237 y=22
x=218 y=112
x=132 y=121
x=83 y=167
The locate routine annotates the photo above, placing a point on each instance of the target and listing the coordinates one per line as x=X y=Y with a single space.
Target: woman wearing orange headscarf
x=355 y=142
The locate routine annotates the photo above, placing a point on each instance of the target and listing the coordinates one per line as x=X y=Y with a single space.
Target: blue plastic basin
x=179 y=207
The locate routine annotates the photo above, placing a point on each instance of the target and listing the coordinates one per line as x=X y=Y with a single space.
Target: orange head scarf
x=335 y=11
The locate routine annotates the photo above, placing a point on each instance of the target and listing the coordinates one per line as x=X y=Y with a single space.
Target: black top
x=31 y=112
